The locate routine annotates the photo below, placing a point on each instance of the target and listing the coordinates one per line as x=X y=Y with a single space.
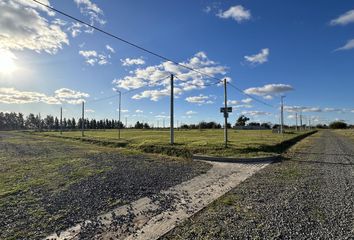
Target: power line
x=250 y=96
x=146 y=50
x=126 y=41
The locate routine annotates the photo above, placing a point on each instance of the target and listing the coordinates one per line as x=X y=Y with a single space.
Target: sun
x=7 y=62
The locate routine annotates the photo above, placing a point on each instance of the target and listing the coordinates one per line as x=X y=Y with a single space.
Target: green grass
x=346 y=132
x=242 y=143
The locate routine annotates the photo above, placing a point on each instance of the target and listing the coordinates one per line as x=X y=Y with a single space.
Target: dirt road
x=308 y=196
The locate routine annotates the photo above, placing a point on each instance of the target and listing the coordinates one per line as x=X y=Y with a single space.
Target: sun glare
x=7 y=62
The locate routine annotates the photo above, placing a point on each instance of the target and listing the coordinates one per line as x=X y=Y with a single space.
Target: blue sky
x=301 y=49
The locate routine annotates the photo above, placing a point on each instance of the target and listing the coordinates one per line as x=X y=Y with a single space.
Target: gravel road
x=310 y=195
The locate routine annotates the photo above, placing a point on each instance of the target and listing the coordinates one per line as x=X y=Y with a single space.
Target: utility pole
x=296 y=121
x=126 y=122
x=163 y=122
x=83 y=119
x=225 y=112
x=300 y=121
x=172 y=137
x=119 y=107
x=282 y=115
x=61 y=120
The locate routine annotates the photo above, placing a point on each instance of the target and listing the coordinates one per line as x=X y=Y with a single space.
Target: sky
x=303 y=50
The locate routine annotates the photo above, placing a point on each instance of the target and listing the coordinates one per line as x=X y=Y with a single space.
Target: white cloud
x=89 y=110
x=247 y=100
x=269 y=89
x=238 y=13
x=293 y=109
x=232 y=102
x=255 y=113
x=155 y=95
x=111 y=49
x=91 y=10
x=22 y=27
x=344 y=19
x=132 y=61
x=349 y=45
x=191 y=112
x=64 y=95
x=258 y=58
x=92 y=57
x=159 y=75
x=352 y=111
x=162 y=116
x=139 y=111
x=201 y=99
x=123 y=110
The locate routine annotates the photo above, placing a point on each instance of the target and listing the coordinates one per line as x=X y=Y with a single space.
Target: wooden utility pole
x=83 y=119
x=225 y=112
x=61 y=120
x=296 y=122
x=172 y=137
x=119 y=106
x=282 y=115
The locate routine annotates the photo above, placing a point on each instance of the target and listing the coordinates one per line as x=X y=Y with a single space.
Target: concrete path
x=150 y=218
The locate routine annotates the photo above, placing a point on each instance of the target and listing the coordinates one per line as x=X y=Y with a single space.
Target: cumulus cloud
x=158 y=76
x=191 y=112
x=238 y=13
x=139 y=111
x=22 y=27
x=201 y=99
x=132 y=61
x=92 y=57
x=91 y=10
x=111 y=49
x=269 y=89
x=155 y=95
x=348 y=46
x=258 y=58
x=255 y=113
x=247 y=100
x=293 y=109
x=89 y=110
x=63 y=95
x=344 y=19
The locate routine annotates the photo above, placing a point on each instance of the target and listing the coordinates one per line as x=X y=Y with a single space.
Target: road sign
x=226 y=114
x=229 y=109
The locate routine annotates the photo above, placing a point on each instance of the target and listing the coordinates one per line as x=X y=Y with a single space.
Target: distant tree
x=338 y=125
x=56 y=123
x=138 y=125
x=30 y=122
x=73 y=123
x=146 y=126
x=254 y=124
x=241 y=121
x=265 y=125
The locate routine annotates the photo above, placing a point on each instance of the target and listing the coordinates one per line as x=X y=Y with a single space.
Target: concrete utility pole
x=282 y=115
x=61 y=120
x=300 y=121
x=126 y=122
x=172 y=137
x=83 y=119
x=296 y=121
x=225 y=112
x=119 y=107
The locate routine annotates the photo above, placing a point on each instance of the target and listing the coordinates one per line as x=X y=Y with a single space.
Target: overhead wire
x=146 y=50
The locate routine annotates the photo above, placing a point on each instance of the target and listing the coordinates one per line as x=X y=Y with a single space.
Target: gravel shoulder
x=48 y=185
x=310 y=195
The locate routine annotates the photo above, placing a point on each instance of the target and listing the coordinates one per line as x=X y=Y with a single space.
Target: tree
x=241 y=121
x=138 y=125
x=338 y=125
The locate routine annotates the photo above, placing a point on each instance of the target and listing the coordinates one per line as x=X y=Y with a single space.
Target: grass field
x=347 y=132
x=48 y=184
x=242 y=143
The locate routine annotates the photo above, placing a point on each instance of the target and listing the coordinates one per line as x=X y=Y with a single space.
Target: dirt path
x=310 y=195
x=150 y=218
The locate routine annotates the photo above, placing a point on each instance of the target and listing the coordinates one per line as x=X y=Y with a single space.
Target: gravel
x=38 y=212
x=310 y=195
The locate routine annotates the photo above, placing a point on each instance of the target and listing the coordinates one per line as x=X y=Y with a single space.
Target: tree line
x=17 y=121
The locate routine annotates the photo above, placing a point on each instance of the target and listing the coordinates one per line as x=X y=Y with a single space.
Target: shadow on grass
x=278 y=148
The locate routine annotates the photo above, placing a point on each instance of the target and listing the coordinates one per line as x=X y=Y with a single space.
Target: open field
x=49 y=184
x=349 y=133
x=242 y=143
x=307 y=196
